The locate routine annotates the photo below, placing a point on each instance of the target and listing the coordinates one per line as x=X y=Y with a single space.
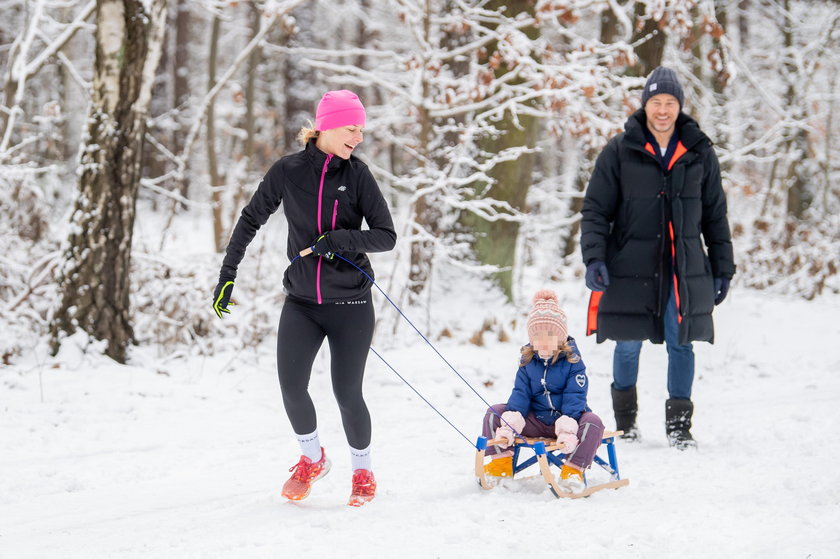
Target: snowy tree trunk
x=246 y=179
x=796 y=185
x=212 y=165
x=495 y=241
x=182 y=57
x=94 y=281
x=251 y=86
x=718 y=59
x=743 y=24
x=181 y=81
x=651 y=50
x=297 y=96
x=426 y=212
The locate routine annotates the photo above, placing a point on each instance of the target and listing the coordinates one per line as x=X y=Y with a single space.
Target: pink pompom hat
x=339 y=108
x=546 y=314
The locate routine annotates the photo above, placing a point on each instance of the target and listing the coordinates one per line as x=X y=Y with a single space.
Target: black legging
x=348 y=328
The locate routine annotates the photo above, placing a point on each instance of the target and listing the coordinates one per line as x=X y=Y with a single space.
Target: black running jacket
x=320 y=193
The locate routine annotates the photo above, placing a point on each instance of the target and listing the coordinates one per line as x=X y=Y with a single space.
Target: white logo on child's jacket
x=581 y=380
x=342 y=188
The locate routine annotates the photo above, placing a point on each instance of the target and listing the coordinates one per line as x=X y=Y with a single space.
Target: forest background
x=132 y=132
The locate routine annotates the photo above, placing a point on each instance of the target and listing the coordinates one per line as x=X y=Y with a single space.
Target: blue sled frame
x=547 y=453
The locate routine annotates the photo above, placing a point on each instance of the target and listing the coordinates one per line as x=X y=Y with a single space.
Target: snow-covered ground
x=187 y=460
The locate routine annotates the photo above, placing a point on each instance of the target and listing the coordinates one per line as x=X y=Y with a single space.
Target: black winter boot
x=625 y=408
x=678 y=423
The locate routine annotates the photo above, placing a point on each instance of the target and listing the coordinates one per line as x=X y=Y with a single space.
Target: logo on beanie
x=581 y=380
x=652 y=87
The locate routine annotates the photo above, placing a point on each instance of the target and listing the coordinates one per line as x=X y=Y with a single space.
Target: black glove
x=221 y=297
x=597 y=278
x=323 y=247
x=721 y=289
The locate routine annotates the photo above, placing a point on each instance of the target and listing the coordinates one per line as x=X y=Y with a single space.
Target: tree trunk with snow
x=495 y=241
x=181 y=83
x=426 y=212
x=216 y=180
x=795 y=182
x=650 y=29
x=95 y=280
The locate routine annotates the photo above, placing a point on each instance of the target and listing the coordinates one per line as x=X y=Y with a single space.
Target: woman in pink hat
x=325 y=191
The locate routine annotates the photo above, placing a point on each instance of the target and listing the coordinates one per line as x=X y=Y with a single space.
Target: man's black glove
x=721 y=289
x=597 y=278
x=323 y=247
x=221 y=297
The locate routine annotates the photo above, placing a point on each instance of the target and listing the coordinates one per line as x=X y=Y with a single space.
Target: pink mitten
x=566 y=429
x=511 y=420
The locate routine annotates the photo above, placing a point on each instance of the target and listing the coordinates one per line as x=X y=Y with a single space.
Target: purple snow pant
x=590 y=433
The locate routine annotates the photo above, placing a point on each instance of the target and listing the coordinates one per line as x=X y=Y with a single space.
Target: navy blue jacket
x=566 y=386
x=319 y=194
x=638 y=215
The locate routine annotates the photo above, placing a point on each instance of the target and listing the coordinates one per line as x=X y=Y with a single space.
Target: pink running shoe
x=305 y=472
x=364 y=488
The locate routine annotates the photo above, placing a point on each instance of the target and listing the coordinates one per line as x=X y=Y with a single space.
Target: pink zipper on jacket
x=320 y=229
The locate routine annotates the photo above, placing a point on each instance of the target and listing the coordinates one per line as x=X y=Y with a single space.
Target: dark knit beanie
x=662 y=80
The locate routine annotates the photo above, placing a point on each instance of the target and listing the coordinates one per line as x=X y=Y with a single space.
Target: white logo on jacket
x=342 y=188
x=581 y=380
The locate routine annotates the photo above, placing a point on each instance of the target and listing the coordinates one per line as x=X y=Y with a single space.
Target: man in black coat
x=655 y=190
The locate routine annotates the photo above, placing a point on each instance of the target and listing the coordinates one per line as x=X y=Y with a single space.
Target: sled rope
x=489 y=407
x=422 y=397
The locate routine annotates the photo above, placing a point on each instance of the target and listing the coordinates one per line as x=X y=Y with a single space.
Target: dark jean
x=590 y=433
x=680 y=359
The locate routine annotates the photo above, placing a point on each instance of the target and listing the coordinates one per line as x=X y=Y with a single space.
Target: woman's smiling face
x=340 y=141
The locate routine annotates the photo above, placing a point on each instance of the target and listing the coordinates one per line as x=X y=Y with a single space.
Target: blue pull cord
x=489 y=406
x=421 y=397
x=418 y=331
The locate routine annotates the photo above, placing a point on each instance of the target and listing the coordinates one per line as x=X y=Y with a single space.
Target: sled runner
x=547 y=452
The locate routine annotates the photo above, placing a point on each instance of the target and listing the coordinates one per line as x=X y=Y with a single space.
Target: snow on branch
x=58 y=43
x=271 y=12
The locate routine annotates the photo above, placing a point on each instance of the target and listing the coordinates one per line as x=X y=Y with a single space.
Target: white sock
x=310 y=445
x=360 y=459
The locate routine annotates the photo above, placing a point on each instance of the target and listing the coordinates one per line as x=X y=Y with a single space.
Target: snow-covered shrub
x=172 y=304
x=29 y=255
x=793 y=257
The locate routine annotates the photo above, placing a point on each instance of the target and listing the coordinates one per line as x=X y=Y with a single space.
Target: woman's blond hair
x=528 y=352
x=306 y=133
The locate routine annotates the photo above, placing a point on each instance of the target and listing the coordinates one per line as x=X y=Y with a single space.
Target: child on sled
x=548 y=399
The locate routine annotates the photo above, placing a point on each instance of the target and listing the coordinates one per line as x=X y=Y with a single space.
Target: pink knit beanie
x=546 y=314
x=339 y=108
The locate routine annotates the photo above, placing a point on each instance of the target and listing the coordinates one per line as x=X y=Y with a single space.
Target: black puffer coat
x=630 y=204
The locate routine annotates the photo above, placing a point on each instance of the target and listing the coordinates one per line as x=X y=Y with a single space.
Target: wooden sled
x=547 y=452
